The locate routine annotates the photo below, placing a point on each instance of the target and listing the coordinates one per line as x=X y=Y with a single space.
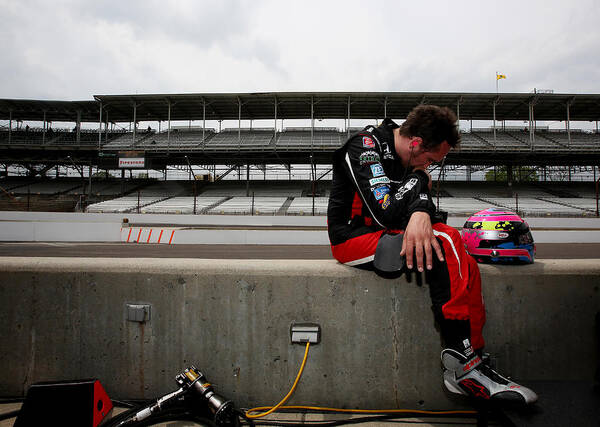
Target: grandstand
x=64 y=144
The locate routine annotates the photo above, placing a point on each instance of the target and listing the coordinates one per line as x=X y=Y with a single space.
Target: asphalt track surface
x=135 y=250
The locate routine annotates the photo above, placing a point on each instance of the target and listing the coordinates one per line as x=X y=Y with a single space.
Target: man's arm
x=419 y=239
x=390 y=204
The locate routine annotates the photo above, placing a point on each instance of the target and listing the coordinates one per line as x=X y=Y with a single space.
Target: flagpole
x=496 y=82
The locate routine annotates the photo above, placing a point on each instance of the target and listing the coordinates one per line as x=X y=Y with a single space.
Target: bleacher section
x=183 y=205
x=166 y=189
x=258 y=188
x=278 y=197
x=304 y=206
x=249 y=206
x=59 y=137
x=36 y=186
x=123 y=204
x=178 y=139
x=504 y=141
x=125 y=141
x=245 y=139
x=294 y=138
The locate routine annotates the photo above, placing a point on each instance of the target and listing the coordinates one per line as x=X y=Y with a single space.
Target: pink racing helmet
x=498 y=235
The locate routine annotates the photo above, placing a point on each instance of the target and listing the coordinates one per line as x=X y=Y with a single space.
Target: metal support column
x=239 y=122
x=169 y=125
x=10 y=127
x=385 y=101
x=348 y=126
x=494 y=114
x=569 y=125
x=248 y=180
x=106 y=129
x=90 y=183
x=275 y=124
x=203 y=120
x=312 y=124
x=134 y=122
x=44 y=133
x=78 y=128
x=531 y=123
x=100 y=126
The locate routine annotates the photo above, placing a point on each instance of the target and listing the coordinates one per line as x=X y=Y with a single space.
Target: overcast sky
x=72 y=50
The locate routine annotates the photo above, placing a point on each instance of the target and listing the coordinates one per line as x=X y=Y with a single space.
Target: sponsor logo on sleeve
x=406 y=188
x=377 y=170
x=368 y=142
x=387 y=154
x=423 y=196
x=368 y=158
x=380 y=192
x=381 y=180
x=386 y=202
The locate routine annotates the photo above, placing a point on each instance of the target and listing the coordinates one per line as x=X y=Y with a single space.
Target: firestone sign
x=132 y=162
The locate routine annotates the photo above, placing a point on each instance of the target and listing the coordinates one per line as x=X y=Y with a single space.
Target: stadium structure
x=105 y=155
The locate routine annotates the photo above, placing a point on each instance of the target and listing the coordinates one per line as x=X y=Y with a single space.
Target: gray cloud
x=73 y=49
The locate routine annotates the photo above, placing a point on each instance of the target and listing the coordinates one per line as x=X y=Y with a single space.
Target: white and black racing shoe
x=471 y=377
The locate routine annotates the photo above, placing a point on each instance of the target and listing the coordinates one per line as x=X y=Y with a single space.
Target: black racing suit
x=371 y=188
x=371 y=194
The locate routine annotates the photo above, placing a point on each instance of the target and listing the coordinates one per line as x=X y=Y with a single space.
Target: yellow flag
x=500 y=76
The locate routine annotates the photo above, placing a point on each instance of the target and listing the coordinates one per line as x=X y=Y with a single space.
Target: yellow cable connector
x=285 y=399
x=271 y=409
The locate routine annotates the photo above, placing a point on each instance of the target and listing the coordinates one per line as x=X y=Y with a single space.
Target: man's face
x=422 y=158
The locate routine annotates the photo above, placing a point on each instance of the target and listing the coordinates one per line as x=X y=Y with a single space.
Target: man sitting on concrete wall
x=381 y=216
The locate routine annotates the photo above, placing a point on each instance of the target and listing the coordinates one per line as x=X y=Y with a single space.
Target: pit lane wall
x=65 y=318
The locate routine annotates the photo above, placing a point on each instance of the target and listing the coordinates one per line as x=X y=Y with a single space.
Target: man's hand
x=419 y=239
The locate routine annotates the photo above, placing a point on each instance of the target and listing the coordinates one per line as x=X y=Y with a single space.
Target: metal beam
x=203 y=120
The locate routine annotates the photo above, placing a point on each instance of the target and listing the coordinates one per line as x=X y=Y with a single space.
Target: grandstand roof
x=297 y=105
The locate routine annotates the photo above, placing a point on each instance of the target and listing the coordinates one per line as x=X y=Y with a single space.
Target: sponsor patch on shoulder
x=380 y=192
x=381 y=180
x=406 y=188
x=423 y=196
x=368 y=158
x=377 y=170
x=386 y=202
x=368 y=142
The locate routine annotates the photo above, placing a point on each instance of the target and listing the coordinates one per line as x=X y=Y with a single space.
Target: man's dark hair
x=433 y=124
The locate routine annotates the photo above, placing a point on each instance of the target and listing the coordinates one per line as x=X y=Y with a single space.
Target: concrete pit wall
x=64 y=318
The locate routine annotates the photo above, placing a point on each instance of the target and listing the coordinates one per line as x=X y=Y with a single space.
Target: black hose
x=11 y=414
x=358 y=420
x=114 y=421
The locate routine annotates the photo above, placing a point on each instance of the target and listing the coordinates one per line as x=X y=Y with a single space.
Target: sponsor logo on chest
x=368 y=158
x=381 y=180
x=380 y=192
x=377 y=170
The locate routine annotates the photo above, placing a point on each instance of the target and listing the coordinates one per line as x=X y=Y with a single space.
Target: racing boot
x=471 y=377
